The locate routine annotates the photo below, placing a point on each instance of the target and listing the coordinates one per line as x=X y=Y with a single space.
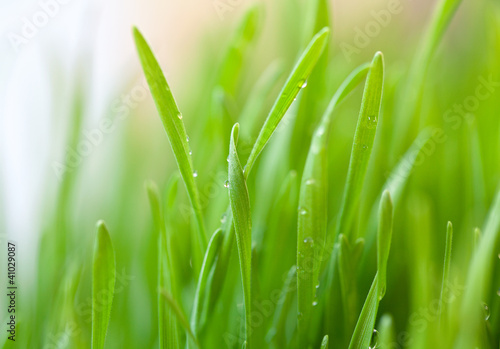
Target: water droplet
x=228 y=158
x=315 y=303
x=309 y=240
x=374 y=341
x=486 y=311
x=179 y=116
x=304 y=85
x=317 y=286
x=365 y=147
x=187 y=139
x=302 y=211
x=295 y=99
x=223 y=218
x=226 y=184
x=190 y=152
x=195 y=174
x=310 y=181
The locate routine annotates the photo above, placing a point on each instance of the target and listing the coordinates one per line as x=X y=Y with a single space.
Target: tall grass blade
x=240 y=206
x=177 y=310
x=103 y=285
x=366 y=321
x=446 y=269
x=171 y=118
x=208 y=262
x=287 y=95
x=363 y=143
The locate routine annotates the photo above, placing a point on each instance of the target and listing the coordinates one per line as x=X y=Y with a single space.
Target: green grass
x=306 y=209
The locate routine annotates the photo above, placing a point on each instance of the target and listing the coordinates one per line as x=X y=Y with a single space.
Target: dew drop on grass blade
x=103 y=285
x=366 y=322
x=171 y=118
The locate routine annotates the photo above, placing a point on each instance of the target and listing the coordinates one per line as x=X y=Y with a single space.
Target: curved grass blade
x=479 y=280
x=240 y=206
x=446 y=269
x=103 y=285
x=174 y=306
x=363 y=143
x=171 y=118
x=210 y=255
x=360 y=155
x=366 y=321
x=287 y=95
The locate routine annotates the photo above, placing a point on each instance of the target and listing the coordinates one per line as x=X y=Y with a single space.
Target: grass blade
x=175 y=307
x=287 y=95
x=366 y=321
x=446 y=269
x=363 y=143
x=240 y=206
x=103 y=285
x=171 y=118
x=210 y=255
x=168 y=334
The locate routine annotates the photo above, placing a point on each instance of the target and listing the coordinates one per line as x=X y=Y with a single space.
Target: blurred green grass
x=454 y=178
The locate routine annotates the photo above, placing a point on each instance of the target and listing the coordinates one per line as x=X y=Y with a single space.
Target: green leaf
x=366 y=321
x=210 y=255
x=240 y=206
x=294 y=84
x=171 y=118
x=363 y=143
x=103 y=285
